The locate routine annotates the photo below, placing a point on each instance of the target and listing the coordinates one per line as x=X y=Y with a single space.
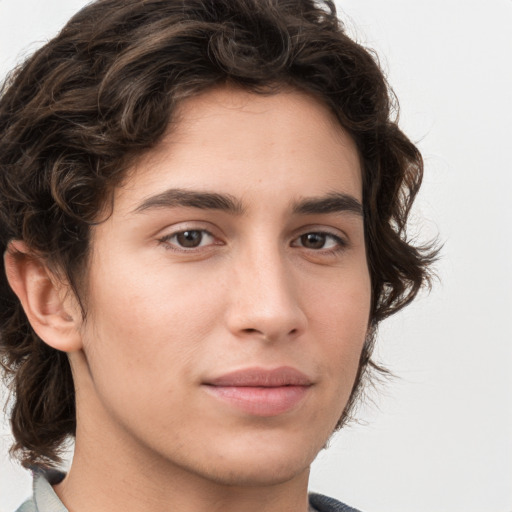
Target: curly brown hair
x=76 y=113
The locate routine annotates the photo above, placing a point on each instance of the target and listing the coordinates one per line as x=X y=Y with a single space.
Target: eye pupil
x=190 y=238
x=313 y=240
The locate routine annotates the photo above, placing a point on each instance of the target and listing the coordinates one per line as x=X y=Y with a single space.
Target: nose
x=265 y=301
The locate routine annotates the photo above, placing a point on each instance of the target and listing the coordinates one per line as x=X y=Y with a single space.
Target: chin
x=257 y=473
x=251 y=463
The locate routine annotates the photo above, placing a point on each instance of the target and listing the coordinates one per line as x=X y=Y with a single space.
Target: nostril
x=262 y=333
x=251 y=331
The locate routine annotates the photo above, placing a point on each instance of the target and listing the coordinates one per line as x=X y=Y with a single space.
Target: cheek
x=342 y=302
x=148 y=322
x=339 y=316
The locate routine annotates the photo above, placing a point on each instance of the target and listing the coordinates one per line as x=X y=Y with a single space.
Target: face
x=229 y=293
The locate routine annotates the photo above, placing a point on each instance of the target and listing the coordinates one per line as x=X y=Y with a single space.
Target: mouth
x=261 y=392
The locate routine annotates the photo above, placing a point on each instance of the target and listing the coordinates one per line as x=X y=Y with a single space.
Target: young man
x=203 y=209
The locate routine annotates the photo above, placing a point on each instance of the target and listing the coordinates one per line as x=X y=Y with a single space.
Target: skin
x=163 y=319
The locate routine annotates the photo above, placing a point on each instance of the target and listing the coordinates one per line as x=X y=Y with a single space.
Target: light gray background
x=439 y=438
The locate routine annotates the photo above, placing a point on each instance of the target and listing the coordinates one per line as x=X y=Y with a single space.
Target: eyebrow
x=176 y=197
x=334 y=202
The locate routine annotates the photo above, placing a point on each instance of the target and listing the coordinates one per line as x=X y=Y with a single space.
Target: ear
x=47 y=301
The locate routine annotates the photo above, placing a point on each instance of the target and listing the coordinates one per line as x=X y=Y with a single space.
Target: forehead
x=247 y=142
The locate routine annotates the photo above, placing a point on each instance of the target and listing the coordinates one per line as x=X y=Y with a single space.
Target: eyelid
x=170 y=236
x=340 y=242
x=332 y=231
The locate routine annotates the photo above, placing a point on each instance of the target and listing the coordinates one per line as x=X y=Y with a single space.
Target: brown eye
x=319 y=240
x=313 y=240
x=189 y=239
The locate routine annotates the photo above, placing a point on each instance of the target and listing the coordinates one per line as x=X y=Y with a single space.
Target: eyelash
x=340 y=243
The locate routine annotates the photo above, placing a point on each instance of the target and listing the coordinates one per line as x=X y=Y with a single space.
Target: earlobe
x=45 y=299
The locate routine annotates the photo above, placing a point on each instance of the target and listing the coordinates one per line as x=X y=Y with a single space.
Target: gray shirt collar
x=45 y=499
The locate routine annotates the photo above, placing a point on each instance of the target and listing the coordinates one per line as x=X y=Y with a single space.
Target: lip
x=261 y=392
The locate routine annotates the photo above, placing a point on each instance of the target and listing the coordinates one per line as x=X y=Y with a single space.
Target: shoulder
x=28 y=506
x=321 y=503
x=44 y=498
